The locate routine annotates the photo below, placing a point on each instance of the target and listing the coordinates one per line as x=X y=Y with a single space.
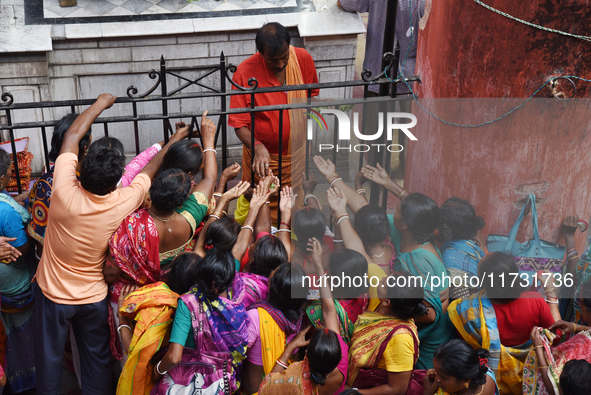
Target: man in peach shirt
x=82 y=217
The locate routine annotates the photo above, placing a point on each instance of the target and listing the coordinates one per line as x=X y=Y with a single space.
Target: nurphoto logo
x=344 y=130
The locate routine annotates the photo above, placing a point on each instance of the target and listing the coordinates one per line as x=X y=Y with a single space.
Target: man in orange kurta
x=275 y=64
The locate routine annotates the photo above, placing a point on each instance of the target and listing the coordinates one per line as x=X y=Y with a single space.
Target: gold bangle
x=543 y=367
x=574 y=327
x=362 y=190
x=537 y=347
x=214 y=215
x=402 y=194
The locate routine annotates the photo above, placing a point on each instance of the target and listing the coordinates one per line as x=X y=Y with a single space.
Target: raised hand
x=236 y=192
x=231 y=171
x=259 y=197
x=274 y=187
x=315 y=248
x=267 y=181
x=285 y=203
x=106 y=100
x=180 y=134
x=309 y=183
x=569 y=225
x=208 y=129
x=325 y=167
x=337 y=201
x=360 y=179
x=376 y=174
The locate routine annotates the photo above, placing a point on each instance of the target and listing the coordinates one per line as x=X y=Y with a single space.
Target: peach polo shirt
x=77 y=235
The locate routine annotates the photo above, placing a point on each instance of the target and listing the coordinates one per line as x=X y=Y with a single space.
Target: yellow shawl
x=152 y=307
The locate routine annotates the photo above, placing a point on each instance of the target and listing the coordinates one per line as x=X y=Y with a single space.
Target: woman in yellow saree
x=393 y=322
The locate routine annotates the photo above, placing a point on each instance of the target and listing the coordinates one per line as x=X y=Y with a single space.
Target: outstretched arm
x=379 y=175
x=263 y=221
x=229 y=173
x=285 y=204
x=226 y=198
x=329 y=312
x=83 y=122
x=210 y=171
x=152 y=167
x=338 y=203
x=259 y=198
x=327 y=168
x=308 y=185
x=569 y=227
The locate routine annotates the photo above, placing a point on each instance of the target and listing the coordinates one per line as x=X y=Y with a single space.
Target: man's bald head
x=272 y=38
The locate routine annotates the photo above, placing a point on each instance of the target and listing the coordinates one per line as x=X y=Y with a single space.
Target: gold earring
x=466 y=385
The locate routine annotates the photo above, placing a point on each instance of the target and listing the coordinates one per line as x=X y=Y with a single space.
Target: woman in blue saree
x=463 y=247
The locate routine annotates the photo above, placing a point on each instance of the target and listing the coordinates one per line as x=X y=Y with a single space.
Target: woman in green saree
x=413 y=231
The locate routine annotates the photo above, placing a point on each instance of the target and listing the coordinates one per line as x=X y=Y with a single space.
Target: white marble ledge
x=34 y=38
x=328 y=20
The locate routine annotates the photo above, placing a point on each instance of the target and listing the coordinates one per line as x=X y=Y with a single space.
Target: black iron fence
x=386 y=79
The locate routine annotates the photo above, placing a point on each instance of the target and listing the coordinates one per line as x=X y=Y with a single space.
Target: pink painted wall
x=466 y=51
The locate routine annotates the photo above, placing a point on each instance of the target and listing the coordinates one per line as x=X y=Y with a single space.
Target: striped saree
x=475 y=320
x=152 y=308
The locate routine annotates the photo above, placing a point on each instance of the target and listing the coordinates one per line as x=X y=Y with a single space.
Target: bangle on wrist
x=123 y=326
x=574 y=327
x=402 y=194
x=283 y=230
x=281 y=363
x=248 y=227
x=158 y=370
x=217 y=194
x=552 y=301
x=307 y=196
x=337 y=241
x=362 y=190
x=335 y=180
x=214 y=215
x=211 y=150
x=285 y=223
x=257 y=142
x=342 y=217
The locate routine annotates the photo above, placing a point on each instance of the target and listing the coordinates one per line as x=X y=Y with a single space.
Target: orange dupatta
x=152 y=307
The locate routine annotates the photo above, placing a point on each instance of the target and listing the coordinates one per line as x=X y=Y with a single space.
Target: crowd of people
x=143 y=270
